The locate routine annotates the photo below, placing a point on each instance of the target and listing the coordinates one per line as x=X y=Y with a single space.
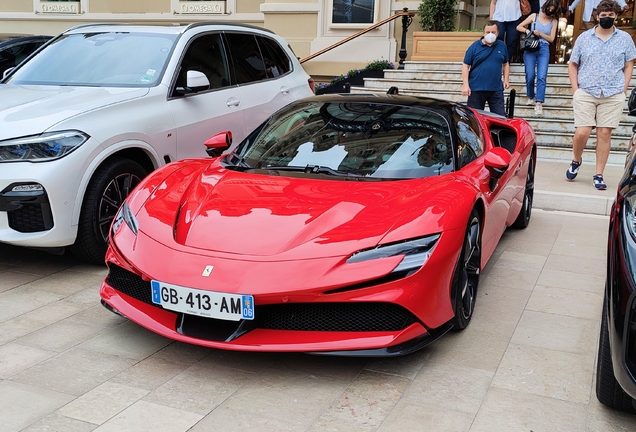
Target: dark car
x=15 y=48
x=616 y=366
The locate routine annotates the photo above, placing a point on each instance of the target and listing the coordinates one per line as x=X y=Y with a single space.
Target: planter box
x=355 y=81
x=442 y=46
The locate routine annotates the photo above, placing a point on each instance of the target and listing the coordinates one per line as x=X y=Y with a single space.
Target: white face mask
x=490 y=38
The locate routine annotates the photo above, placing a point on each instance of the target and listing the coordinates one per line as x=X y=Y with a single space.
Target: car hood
x=29 y=110
x=284 y=217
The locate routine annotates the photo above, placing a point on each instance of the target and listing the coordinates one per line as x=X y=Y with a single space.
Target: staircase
x=554 y=130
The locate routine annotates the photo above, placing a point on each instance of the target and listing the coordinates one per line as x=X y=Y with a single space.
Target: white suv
x=100 y=106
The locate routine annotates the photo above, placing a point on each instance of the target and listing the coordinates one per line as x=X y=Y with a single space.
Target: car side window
x=469 y=143
x=14 y=55
x=248 y=62
x=206 y=54
x=276 y=61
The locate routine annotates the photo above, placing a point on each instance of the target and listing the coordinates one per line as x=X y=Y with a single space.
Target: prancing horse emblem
x=207 y=270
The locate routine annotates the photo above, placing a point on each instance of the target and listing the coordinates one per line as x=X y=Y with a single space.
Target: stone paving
x=525 y=363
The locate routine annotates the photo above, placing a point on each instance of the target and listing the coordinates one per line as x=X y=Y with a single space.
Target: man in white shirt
x=589 y=17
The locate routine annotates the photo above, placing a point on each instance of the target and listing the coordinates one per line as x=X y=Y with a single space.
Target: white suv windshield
x=112 y=59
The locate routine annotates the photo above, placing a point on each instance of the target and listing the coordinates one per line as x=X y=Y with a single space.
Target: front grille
x=31 y=218
x=352 y=317
x=130 y=284
x=342 y=317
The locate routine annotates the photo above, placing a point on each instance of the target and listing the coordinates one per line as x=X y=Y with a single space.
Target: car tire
x=111 y=184
x=466 y=276
x=608 y=391
x=523 y=219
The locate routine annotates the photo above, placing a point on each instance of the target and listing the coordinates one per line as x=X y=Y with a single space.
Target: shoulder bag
x=530 y=41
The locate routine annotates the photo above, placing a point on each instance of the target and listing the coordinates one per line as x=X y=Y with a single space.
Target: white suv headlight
x=39 y=148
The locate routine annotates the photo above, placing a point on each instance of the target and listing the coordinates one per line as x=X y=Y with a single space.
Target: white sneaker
x=538 y=108
x=530 y=101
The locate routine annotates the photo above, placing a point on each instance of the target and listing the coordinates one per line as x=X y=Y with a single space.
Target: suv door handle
x=233 y=102
x=285 y=89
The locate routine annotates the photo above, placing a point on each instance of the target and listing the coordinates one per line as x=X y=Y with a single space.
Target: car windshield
x=110 y=59
x=365 y=140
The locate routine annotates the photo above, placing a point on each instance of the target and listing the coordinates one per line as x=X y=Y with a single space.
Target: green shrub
x=437 y=15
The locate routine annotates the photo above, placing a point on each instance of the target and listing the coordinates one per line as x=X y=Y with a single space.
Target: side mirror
x=496 y=162
x=217 y=144
x=196 y=81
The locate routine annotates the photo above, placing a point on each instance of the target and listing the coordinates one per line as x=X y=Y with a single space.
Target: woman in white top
x=507 y=13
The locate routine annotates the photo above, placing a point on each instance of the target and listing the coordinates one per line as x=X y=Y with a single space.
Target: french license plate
x=231 y=307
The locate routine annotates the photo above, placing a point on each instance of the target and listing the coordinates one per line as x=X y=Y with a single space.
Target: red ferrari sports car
x=347 y=224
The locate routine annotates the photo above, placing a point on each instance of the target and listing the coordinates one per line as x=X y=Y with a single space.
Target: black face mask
x=549 y=12
x=606 y=22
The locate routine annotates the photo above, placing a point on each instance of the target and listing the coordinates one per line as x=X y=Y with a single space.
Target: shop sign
x=202 y=7
x=59 y=7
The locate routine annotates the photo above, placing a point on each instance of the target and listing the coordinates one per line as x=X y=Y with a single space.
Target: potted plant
x=439 y=41
x=355 y=77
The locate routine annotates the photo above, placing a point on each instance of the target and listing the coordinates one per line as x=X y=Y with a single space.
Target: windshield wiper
x=312 y=169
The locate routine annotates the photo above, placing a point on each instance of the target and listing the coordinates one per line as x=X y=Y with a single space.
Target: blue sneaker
x=598 y=182
x=571 y=173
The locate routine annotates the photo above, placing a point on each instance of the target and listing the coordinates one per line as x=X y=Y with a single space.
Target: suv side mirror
x=196 y=81
x=217 y=144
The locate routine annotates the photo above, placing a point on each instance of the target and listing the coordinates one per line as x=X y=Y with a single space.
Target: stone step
x=429 y=65
x=451 y=90
x=456 y=85
x=428 y=81
x=564 y=140
x=450 y=75
x=553 y=129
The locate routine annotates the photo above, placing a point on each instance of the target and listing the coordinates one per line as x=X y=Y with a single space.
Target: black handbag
x=530 y=41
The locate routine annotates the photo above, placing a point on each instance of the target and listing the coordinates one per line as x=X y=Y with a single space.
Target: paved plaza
x=525 y=363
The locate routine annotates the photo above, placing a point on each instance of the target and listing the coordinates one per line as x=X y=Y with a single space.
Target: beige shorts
x=599 y=112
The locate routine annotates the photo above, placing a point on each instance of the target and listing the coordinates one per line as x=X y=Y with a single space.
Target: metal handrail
x=407 y=18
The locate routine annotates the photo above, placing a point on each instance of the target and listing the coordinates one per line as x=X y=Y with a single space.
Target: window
x=246 y=57
x=366 y=140
x=13 y=56
x=276 y=61
x=470 y=145
x=353 y=13
x=206 y=54
x=108 y=59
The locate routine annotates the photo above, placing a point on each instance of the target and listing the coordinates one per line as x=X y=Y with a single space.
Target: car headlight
x=416 y=252
x=630 y=213
x=39 y=148
x=125 y=215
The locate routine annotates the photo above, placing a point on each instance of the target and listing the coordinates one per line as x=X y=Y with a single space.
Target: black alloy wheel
x=466 y=277
x=111 y=184
x=523 y=219
x=608 y=391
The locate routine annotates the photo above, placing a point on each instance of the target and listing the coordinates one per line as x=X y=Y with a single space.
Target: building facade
x=308 y=25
